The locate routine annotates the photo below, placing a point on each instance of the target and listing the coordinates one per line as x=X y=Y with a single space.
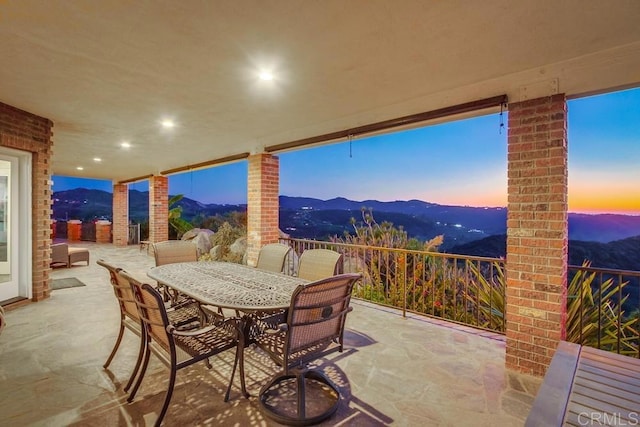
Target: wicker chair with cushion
x=130 y=319
x=176 y=349
x=316 y=264
x=314 y=328
x=62 y=254
x=272 y=257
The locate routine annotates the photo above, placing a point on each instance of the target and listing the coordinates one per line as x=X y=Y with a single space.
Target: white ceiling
x=108 y=71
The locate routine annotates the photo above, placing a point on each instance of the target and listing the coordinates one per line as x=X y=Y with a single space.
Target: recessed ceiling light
x=168 y=124
x=265 y=75
x=125 y=145
x=80 y=168
x=97 y=159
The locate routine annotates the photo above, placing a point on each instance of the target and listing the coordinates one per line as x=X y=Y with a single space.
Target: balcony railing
x=457 y=288
x=604 y=309
x=603 y=305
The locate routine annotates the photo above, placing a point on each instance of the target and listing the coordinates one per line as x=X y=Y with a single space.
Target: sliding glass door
x=8 y=286
x=15 y=223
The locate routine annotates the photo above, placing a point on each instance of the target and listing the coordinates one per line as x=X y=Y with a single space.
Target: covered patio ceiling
x=110 y=71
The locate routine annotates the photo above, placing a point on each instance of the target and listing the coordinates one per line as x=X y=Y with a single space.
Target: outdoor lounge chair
x=130 y=319
x=314 y=328
x=61 y=253
x=272 y=257
x=316 y=264
x=176 y=349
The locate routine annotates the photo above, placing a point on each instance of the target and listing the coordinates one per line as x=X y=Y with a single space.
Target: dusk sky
x=457 y=163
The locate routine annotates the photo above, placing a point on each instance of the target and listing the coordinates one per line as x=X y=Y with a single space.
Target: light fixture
x=80 y=168
x=265 y=75
x=125 y=145
x=167 y=124
x=97 y=159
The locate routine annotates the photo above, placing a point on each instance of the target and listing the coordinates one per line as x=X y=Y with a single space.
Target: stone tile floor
x=410 y=371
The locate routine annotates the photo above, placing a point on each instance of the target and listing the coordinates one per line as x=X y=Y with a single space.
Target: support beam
x=158 y=208
x=120 y=215
x=537 y=232
x=262 y=203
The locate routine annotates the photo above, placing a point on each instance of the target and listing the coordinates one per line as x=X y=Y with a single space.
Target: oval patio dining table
x=232 y=286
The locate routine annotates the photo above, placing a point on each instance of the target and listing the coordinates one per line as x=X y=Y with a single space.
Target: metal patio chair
x=169 y=252
x=183 y=316
x=314 y=328
x=316 y=264
x=176 y=349
x=272 y=257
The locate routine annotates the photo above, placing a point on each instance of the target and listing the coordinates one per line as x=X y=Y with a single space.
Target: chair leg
x=167 y=399
x=137 y=367
x=115 y=347
x=300 y=376
x=143 y=370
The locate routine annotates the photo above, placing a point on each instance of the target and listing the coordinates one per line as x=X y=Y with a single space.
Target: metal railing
x=458 y=288
x=603 y=308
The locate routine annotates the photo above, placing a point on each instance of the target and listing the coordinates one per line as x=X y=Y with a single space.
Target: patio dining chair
x=313 y=329
x=176 y=349
x=183 y=316
x=169 y=252
x=272 y=257
x=316 y=264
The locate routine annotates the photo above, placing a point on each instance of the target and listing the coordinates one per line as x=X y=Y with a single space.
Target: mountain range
x=466 y=229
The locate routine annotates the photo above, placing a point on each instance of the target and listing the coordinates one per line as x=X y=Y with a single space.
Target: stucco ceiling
x=109 y=71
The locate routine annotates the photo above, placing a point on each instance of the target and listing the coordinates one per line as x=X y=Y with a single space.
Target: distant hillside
x=620 y=254
x=88 y=205
x=306 y=217
x=471 y=223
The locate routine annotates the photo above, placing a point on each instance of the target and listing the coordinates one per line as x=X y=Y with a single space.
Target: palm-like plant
x=595 y=319
x=179 y=224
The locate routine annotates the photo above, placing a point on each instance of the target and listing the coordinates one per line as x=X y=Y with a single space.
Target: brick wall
x=262 y=203
x=120 y=214
x=537 y=232
x=158 y=209
x=24 y=131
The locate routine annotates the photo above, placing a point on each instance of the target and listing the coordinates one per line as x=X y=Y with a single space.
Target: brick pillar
x=537 y=232
x=262 y=203
x=74 y=230
x=27 y=132
x=158 y=209
x=120 y=215
x=53 y=228
x=103 y=231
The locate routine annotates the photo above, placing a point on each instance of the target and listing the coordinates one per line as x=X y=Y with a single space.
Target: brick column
x=74 y=230
x=27 y=132
x=103 y=232
x=120 y=215
x=262 y=203
x=537 y=232
x=158 y=209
